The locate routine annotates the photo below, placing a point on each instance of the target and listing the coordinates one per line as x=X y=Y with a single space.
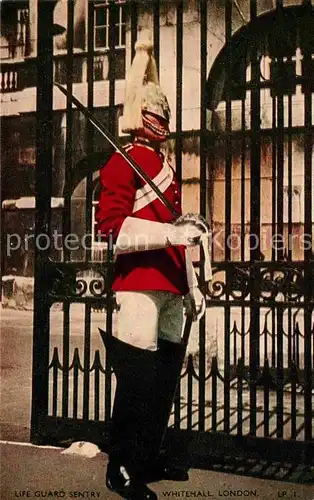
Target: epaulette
x=128 y=147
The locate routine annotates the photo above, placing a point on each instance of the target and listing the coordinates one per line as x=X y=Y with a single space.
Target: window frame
x=120 y=25
x=99 y=27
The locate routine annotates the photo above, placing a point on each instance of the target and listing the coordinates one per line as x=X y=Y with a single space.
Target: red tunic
x=162 y=269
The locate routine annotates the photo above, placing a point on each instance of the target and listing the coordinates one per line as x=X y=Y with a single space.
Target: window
x=120 y=24
x=15 y=36
x=283 y=78
x=108 y=14
x=308 y=81
x=101 y=22
x=60 y=70
x=23 y=31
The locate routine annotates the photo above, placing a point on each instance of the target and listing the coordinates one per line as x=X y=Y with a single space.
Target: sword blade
x=187 y=329
x=111 y=139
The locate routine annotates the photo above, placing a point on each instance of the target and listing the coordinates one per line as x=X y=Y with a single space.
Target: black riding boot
x=135 y=371
x=169 y=361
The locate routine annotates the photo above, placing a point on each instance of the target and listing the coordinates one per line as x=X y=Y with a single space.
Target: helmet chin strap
x=146 y=137
x=155 y=128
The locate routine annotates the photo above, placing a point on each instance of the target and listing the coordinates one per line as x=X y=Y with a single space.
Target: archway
x=260 y=94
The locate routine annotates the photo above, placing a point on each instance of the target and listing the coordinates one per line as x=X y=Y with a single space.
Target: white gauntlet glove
x=138 y=235
x=188 y=235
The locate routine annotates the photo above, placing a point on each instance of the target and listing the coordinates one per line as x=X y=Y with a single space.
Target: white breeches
x=144 y=316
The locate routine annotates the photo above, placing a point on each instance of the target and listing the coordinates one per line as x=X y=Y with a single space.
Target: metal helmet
x=143 y=92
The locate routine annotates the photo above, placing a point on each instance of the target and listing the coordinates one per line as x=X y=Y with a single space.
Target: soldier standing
x=152 y=275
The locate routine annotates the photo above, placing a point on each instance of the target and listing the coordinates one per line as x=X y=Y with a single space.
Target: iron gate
x=253 y=392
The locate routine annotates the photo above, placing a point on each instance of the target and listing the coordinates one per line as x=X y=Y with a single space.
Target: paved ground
x=37 y=472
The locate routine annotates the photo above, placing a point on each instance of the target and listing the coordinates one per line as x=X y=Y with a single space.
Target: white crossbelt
x=146 y=195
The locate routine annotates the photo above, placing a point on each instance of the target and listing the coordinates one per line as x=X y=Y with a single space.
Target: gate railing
x=236 y=399
x=79 y=375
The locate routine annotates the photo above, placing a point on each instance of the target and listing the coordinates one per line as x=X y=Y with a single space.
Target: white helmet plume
x=142 y=71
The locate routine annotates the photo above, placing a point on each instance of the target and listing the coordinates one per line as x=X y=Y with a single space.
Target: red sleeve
x=117 y=195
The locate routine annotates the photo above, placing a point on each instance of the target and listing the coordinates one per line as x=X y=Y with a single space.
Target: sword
x=111 y=139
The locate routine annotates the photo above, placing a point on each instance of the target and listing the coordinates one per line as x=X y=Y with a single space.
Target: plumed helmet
x=143 y=92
